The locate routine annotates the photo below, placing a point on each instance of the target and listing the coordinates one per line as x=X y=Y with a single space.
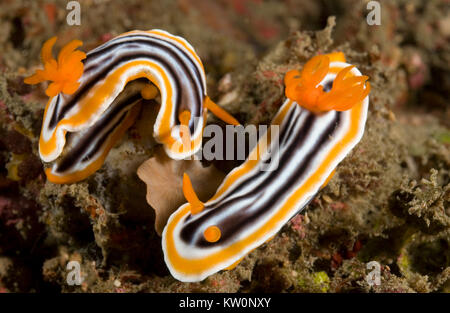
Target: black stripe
x=294 y=178
x=230 y=201
x=231 y=226
x=86 y=86
x=298 y=141
x=81 y=150
x=291 y=126
x=152 y=42
x=102 y=75
x=55 y=112
x=111 y=44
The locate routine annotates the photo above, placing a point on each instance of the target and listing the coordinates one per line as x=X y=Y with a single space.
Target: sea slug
x=95 y=98
x=320 y=122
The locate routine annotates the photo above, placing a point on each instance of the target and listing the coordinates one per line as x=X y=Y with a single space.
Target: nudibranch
x=320 y=122
x=95 y=98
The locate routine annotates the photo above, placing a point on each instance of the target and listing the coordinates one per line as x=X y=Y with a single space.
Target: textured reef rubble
x=388 y=201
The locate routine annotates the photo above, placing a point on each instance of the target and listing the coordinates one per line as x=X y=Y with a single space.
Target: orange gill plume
x=64 y=72
x=303 y=87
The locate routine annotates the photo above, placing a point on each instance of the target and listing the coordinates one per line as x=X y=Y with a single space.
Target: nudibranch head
x=64 y=72
x=304 y=87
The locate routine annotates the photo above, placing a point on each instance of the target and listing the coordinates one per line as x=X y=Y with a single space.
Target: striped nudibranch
x=319 y=124
x=95 y=98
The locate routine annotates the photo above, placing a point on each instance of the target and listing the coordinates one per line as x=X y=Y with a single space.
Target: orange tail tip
x=190 y=195
x=344 y=94
x=64 y=72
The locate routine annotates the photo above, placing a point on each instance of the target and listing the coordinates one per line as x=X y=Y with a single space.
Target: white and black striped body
x=252 y=205
x=167 y=61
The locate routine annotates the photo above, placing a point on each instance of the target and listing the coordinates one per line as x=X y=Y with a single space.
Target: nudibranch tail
x=252 y=204
x=63 y=73
x=85 y=94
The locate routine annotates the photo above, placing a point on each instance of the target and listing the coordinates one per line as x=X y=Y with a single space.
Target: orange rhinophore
x=303 y=87
x=63 y=73
x=190 y=195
